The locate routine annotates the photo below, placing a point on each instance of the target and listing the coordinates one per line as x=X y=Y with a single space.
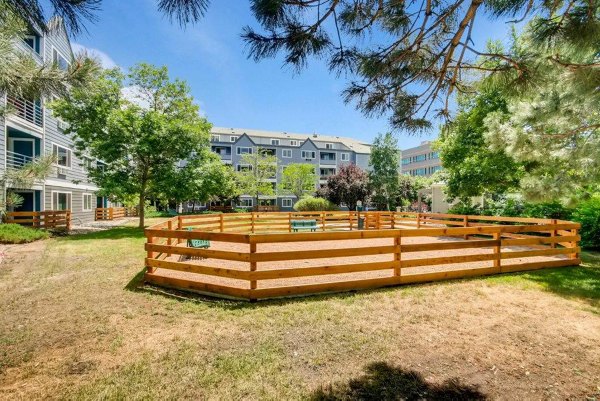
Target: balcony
x=17 y=160
x=223 y=151
x=30 y=111
x=325 y=173
x=328 y=158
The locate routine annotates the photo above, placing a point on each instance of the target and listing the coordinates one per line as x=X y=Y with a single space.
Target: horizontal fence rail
x=258 y=255
x=111 y=213
x=48 y=219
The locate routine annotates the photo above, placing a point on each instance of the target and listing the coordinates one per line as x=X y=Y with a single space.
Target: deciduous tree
x=139 y=145
x=383 y=176
x=298 y=179
x=471 y=167
x=253 y=178
x=349 y=185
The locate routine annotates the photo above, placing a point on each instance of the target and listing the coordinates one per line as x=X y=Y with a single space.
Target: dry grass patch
x=73 y=324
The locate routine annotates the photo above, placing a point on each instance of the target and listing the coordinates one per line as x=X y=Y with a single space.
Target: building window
x=62 y=155
x=345 y=157
x=293 y=143
x=246 y=202
x=61 y=200
x=406 y=160
x=215 y=138
x=87 y=202
x=59 y=61
x=33 y=41
x=275 y=142
x=243 y=167
x=328 y=156
x=286 y=202
x=329 y=146
x=309 y=154
x=233 y=138
x=87 y=163
x=287 y=153
x=243 y=150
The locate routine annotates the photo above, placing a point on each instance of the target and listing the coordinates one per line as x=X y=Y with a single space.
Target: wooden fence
x=256 y=256
x=111 y=213
x=48 y=219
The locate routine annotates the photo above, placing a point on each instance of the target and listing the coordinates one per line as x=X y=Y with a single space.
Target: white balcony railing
x=16 y=160
x=27 y=110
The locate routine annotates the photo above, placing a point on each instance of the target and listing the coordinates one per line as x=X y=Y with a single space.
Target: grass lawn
x=74 y=324
x=18 y=234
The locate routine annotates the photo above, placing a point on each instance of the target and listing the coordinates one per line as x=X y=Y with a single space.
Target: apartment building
x=326 y=153
x=421 y=160
x=29 y=131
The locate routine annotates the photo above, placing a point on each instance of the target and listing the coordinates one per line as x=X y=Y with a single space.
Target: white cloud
x=105 y=60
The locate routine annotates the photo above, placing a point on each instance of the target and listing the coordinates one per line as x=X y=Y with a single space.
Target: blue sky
x=232 y=90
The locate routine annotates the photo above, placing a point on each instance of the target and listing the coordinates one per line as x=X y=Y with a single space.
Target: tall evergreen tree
x=22 y=76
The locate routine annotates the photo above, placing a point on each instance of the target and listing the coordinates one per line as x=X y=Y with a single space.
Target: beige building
x=421 y=160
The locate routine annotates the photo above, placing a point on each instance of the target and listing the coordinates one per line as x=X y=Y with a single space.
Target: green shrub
x=588 y=214
x=311 y=204
x=547 y=210
x=464 y=208
x=17 y=234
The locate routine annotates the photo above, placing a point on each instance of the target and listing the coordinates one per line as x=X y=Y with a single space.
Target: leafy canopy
x=349 y=185
x=139 y=140
x=384 y=162
x=257 y=169
x=471 y=166
x=298 y=179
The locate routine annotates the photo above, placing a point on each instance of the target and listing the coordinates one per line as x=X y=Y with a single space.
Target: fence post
x=68 y=220
x=290 y=222
x=252 y=222
x=323 y=221
x=179 y=227
x=110 y=213
x=573 y=244
x=221 y=222
x=498 y=252
x=150 y=254
x=252 y=267
x=466 y=224
x=350 y=218
x=393 y=220
x=169 y=239
x=378 y=220
x=554 y=233
x=398 y=253
x=418 y=220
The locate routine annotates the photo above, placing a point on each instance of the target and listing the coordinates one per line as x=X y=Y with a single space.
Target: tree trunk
x=142 y=204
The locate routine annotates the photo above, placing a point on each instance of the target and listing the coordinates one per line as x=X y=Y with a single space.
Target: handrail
x=28 y=110
x=16 y=160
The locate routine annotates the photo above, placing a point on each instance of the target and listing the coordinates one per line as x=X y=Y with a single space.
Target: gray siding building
x=421 y=160
x=326 y=153
x=29 y=131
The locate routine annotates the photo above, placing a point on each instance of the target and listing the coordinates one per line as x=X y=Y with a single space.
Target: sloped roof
x=351 y=143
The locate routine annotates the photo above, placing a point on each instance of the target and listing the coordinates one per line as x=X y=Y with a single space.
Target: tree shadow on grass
x=111 y=233
x=382 y=381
